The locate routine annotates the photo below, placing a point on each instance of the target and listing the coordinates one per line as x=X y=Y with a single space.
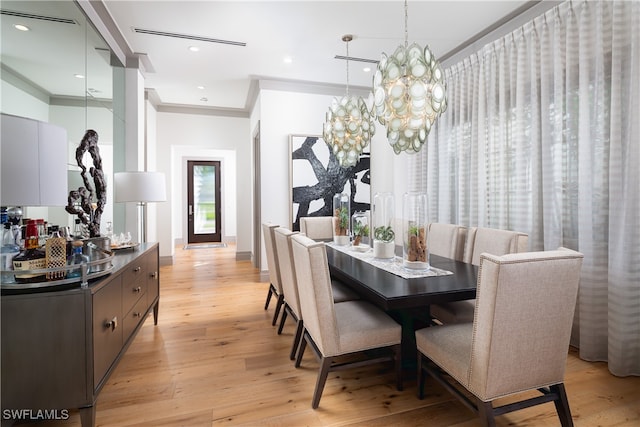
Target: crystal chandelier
x=349 y=125
x=409 y=94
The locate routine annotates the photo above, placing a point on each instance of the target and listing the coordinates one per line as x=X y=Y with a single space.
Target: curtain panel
x=542 y=135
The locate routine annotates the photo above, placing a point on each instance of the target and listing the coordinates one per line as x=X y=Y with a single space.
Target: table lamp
x=142 y=188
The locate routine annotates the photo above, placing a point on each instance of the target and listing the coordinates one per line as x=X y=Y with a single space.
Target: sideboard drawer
x=133 y=317
x=134 y=285
x=107 y=327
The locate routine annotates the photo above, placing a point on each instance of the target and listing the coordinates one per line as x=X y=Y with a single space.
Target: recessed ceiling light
x=201 y=87
x=78 y=76
x=203 y=99
x=194 y=48
x=366 y=69
x=21 y=27
x=288 y=60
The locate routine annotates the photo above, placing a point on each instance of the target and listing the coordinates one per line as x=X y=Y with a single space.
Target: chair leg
x=397 y=354
x=266 y=304
x=283 y=319
x=278 y=307
x=562 y=405
x=325 y=364
x=296 y=340
x=303 y=346
x=485 y=411
x=421 y=377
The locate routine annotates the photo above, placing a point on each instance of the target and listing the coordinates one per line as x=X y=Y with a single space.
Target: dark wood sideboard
x=60 y=346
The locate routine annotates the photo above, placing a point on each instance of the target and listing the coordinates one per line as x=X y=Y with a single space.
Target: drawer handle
x=154 y=275
x=137 y=314
x=137 y=289
x=135 y=270
x=112 y=324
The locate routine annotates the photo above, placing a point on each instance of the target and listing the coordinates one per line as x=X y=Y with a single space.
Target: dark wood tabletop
x=391 y=292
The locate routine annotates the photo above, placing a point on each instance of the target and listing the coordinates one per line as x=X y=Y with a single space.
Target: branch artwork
x=313 y=195
x=80 y=201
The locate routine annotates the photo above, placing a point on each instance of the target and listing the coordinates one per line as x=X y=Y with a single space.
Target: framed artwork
x=315 y=177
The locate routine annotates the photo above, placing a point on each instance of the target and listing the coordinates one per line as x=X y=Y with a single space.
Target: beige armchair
x=446 y=240
x=518 y=340
x=275 y=287
x=353 y=328
x=479 y=241
x=289 y=285
x=318 y=228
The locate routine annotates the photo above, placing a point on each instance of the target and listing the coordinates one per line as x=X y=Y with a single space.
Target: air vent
x=187 y=36
x=351 y=58
x=40 y=17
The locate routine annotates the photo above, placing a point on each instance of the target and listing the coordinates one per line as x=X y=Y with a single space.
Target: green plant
x=343 y=217
x=384 y=233
x=360 y=229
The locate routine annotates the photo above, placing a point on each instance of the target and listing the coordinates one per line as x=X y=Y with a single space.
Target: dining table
x=390 y=291
x=405 y=297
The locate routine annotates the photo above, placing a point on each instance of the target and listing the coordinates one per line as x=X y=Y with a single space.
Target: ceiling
x=307 y=32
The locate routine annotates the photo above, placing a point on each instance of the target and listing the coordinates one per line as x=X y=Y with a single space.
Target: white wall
x=283 y=113
x=19 y=103
x=193 y=136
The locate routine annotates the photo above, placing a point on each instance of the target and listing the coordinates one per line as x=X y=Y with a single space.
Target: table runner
x=392 y=266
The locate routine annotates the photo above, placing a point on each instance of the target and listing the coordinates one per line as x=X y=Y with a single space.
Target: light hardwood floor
x=215 y=359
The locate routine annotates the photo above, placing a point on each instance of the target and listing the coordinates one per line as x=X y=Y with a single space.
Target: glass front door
x=203 y=209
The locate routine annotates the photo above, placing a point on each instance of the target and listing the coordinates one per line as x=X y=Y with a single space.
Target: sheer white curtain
x=542 y=135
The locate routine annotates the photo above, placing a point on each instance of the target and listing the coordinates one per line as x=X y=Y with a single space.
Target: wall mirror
x=56 y=68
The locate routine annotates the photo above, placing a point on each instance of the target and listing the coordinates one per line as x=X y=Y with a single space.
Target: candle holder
x=383 y=233
x=342 y=214
x=414 y=231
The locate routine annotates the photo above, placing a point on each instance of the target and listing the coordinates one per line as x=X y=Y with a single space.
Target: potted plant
x=384 y=242
x=360 y=228
x=414 y=229
x=416 y=244
x=342 y=214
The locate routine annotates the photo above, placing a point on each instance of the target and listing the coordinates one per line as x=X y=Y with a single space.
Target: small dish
x=361 y=248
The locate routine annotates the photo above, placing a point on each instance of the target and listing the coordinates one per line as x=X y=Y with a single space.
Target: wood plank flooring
x=214 y=360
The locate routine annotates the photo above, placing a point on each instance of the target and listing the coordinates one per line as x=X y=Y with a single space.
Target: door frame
x=185 y=197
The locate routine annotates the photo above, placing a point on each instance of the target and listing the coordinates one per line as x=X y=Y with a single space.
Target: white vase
x=384 y=250
x=341 y=240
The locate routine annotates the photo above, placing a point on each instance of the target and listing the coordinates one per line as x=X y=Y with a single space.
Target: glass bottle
x=342 y=214
x=77 y=258
x=31 y=258
x=8 y=251
x=78 y=231
x=414 y=231
x=384 y=245
x=56 y=253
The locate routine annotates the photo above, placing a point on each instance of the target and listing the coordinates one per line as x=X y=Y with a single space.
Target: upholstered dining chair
x=479 y=240
x=446 y=240
x=275 y=286
x=353 y=328
x=518 y=340
x=289 y=285
x=319 y=228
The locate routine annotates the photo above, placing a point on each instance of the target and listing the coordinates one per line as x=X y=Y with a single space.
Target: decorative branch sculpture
x=80 y=201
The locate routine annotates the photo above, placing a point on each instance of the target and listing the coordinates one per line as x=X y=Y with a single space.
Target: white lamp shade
x=139 y=187
x=34 y=163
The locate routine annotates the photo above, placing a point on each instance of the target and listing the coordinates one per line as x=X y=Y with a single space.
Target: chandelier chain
x=406 y=24
x=347 y=68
